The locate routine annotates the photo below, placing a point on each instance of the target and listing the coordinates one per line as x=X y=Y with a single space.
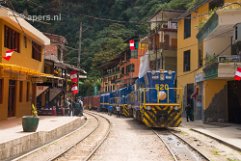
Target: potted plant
x=30 y=123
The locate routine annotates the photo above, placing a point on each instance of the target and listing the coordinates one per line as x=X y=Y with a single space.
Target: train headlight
x=176 y=108
x=162 y=95
x=148 y=107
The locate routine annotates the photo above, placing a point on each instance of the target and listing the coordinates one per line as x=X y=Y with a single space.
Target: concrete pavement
x=229 y=134
x=15 y=142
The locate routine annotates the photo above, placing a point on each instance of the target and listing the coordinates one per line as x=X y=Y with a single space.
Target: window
x=186 y=61
x=106 y=88
x=36 y=51
x=174 y=43
x=187 y=27
x=200 y=55
x=25 y=42
x=123 y=70
x=134 y=54
x=59 y=54
x=130 y=68
x=27 y=93
x=166 y=42
x=11 y=39
x=20 y=91
x=215 y=4
x=236 y=33
x=1 y=91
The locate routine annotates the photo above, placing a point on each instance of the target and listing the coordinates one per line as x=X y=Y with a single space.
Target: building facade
x=123 y=70
x=206 y=61
x=163 y=40
x=19 y=75
x=54 y=92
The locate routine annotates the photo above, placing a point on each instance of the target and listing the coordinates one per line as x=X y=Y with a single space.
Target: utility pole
x=155 y=36
x=163 y=39
x=80 y=38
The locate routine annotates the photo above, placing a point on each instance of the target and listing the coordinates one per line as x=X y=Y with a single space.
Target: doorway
x=11 y=98
x=234 y=102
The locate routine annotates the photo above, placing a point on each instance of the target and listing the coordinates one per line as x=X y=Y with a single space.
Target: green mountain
x=106 y=24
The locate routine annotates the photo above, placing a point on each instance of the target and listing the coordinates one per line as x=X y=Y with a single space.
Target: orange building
x=123 y=70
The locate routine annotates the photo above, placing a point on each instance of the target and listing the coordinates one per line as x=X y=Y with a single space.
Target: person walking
x=71 y=107
x=188 y=110
x=81 y=106
x=118 y=110
x=76 y=108
x=110 y=110
x=68 y=104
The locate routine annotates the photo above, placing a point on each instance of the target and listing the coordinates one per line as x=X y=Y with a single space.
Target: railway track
x=87 y=146
x=178 y=148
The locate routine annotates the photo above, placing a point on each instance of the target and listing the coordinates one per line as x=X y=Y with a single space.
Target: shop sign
x=199 y=77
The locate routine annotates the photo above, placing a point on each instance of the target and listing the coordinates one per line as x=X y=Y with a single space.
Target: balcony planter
x=211 y=71
x=30 y=123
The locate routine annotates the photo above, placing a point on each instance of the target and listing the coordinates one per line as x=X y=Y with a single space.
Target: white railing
x=229 y=58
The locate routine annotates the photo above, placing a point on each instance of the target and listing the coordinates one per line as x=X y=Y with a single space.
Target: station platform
x=226 y=133
x=14 y=142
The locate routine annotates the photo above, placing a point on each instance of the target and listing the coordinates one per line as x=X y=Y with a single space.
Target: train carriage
x=156 y=104
x=91 y=102
x=104 y=101
x=125 y=102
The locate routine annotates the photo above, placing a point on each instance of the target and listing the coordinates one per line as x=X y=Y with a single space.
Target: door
x=166 y=42
x=190 y=90
x=11 y=98
x=234 y=101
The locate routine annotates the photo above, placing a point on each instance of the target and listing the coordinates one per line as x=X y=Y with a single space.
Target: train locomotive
x=151 y=99
x=155 y=101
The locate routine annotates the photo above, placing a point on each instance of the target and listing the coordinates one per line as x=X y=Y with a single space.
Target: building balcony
x=223 y=67
x=220 y=23
x=111 y=74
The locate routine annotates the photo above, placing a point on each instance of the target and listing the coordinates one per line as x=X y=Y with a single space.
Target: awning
x=27 y=71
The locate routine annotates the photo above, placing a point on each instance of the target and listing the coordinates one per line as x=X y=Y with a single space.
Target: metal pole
x=80 y=38
x=163 y=38
x=156 y=44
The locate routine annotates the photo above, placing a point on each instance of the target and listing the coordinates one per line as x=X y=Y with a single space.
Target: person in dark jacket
x=110 y=110
x=188 y=110
x=77 y=108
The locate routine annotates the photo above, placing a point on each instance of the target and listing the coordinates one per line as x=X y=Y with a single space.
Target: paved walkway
x=15 y=142
x=229 y=134
x=12 y=128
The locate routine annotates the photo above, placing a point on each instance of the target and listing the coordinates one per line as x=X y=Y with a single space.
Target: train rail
x=87 y=146
x=178 y=148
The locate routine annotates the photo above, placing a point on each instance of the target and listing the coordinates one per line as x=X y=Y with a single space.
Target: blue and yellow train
x=152 y=100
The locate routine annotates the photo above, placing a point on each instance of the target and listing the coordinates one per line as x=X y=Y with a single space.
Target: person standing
x=110 y=109
x=188 y=110
x=67 y=104
x=81 y=106
x=76 y=107
x=71 y=107
x=118 y=110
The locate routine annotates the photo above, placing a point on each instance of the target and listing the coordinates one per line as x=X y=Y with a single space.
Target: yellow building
x=19 y=75
x=204 y=37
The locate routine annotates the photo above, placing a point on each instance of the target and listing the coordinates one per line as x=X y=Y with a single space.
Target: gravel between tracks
x=131 y=141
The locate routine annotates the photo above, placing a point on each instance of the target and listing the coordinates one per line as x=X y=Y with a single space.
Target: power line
x=112 y=20
x=13 y=11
